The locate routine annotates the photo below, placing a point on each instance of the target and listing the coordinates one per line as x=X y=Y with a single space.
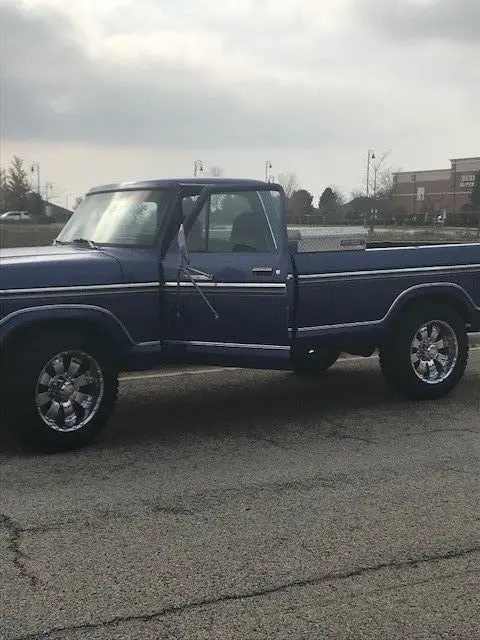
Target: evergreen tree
x=3 y=190
x=17 y=185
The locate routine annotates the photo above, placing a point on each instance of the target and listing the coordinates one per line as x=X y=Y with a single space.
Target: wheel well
x=447 y=299
x=83 y=327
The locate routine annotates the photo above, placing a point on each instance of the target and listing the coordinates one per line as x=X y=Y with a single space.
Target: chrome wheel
x=434 y=352
x=69 y=391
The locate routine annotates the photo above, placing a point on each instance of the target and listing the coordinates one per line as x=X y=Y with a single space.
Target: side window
x=231 y=222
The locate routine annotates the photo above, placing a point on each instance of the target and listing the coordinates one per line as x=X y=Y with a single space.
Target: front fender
x=43 y=315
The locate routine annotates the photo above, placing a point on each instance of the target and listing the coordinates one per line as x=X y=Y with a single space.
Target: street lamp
x=197 y=167
x=454 y=167
x=414 y=201
x=36 y=167
x=268 y=166
x=370 y=156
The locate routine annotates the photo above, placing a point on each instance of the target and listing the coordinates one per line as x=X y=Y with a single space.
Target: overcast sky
x=106 y=90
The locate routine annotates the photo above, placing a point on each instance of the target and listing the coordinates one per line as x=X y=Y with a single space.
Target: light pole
x=36 y=167
x=67 y=198
x=454 y=167
x=48 y=188
x=197 y=167
x=370 y=156
x=268 y=166
x=414 y=201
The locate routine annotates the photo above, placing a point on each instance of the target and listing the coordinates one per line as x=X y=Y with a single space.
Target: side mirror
x=182 y=245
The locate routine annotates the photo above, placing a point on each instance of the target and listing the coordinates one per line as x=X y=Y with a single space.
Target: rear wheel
x=61 y=389
x=426 y=352
x=314 y=360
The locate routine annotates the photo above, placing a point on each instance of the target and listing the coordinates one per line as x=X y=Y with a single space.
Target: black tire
x=315 y=363
x=24 y=374
x=398 y=353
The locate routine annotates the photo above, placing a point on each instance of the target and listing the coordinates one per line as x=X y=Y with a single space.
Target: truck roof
x=175 y=183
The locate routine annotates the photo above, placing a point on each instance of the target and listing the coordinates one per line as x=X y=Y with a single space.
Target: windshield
x=125 y=218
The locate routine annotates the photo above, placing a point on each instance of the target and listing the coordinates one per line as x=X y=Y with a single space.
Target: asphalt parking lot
x=239 y=504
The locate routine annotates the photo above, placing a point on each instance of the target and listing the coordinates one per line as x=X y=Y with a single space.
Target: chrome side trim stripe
x=148 y=345
x=381 y=272
x=229 y=345
x=94 y=288
x=138 y=286
x=376 y=323
x=280 y=286
x=425 y=246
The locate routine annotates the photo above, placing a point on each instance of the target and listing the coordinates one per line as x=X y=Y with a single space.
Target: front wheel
x=426 y=352
x=61 y=389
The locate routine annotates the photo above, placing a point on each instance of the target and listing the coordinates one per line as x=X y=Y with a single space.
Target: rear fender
x=445 y=292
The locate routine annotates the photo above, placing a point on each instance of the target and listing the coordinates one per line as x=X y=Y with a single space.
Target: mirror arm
x=186 y=271
x=191 y=270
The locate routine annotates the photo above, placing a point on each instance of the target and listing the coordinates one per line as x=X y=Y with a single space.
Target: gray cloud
x=52 y=90
x=445 y=20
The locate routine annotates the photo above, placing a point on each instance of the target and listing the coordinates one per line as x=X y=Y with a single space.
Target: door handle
x=262 y=271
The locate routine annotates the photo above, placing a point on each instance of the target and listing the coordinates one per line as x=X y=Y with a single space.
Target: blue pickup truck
x=205 y=271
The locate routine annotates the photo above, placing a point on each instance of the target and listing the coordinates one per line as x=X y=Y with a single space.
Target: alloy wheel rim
x=434 y=352
x=69 y=391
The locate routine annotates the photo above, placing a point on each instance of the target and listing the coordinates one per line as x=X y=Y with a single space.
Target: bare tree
x=379 y=171
x=386 y=183
x=216 y=172
x=357 y=193
x=289 y=182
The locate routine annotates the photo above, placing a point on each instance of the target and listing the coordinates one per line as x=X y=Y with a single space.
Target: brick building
x=438 y=191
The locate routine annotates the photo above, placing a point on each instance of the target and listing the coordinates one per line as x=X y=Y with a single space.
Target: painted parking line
x=194 y=372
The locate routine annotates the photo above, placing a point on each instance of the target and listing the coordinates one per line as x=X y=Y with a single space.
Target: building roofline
x=399 y=173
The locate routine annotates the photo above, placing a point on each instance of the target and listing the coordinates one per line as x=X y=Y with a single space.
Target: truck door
x=236 y=294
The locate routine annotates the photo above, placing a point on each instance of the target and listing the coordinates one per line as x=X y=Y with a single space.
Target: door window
x=230 y=222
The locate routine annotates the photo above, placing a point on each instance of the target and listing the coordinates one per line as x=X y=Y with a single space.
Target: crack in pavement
x=427 y=431
x=465 y=471
x=201 y=501
x=274 y=442
x=14 y=535
x=208 y=602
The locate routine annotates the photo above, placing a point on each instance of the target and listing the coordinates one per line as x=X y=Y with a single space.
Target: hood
x=56 y=266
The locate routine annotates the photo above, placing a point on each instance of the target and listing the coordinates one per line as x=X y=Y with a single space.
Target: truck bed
x=342 y=292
